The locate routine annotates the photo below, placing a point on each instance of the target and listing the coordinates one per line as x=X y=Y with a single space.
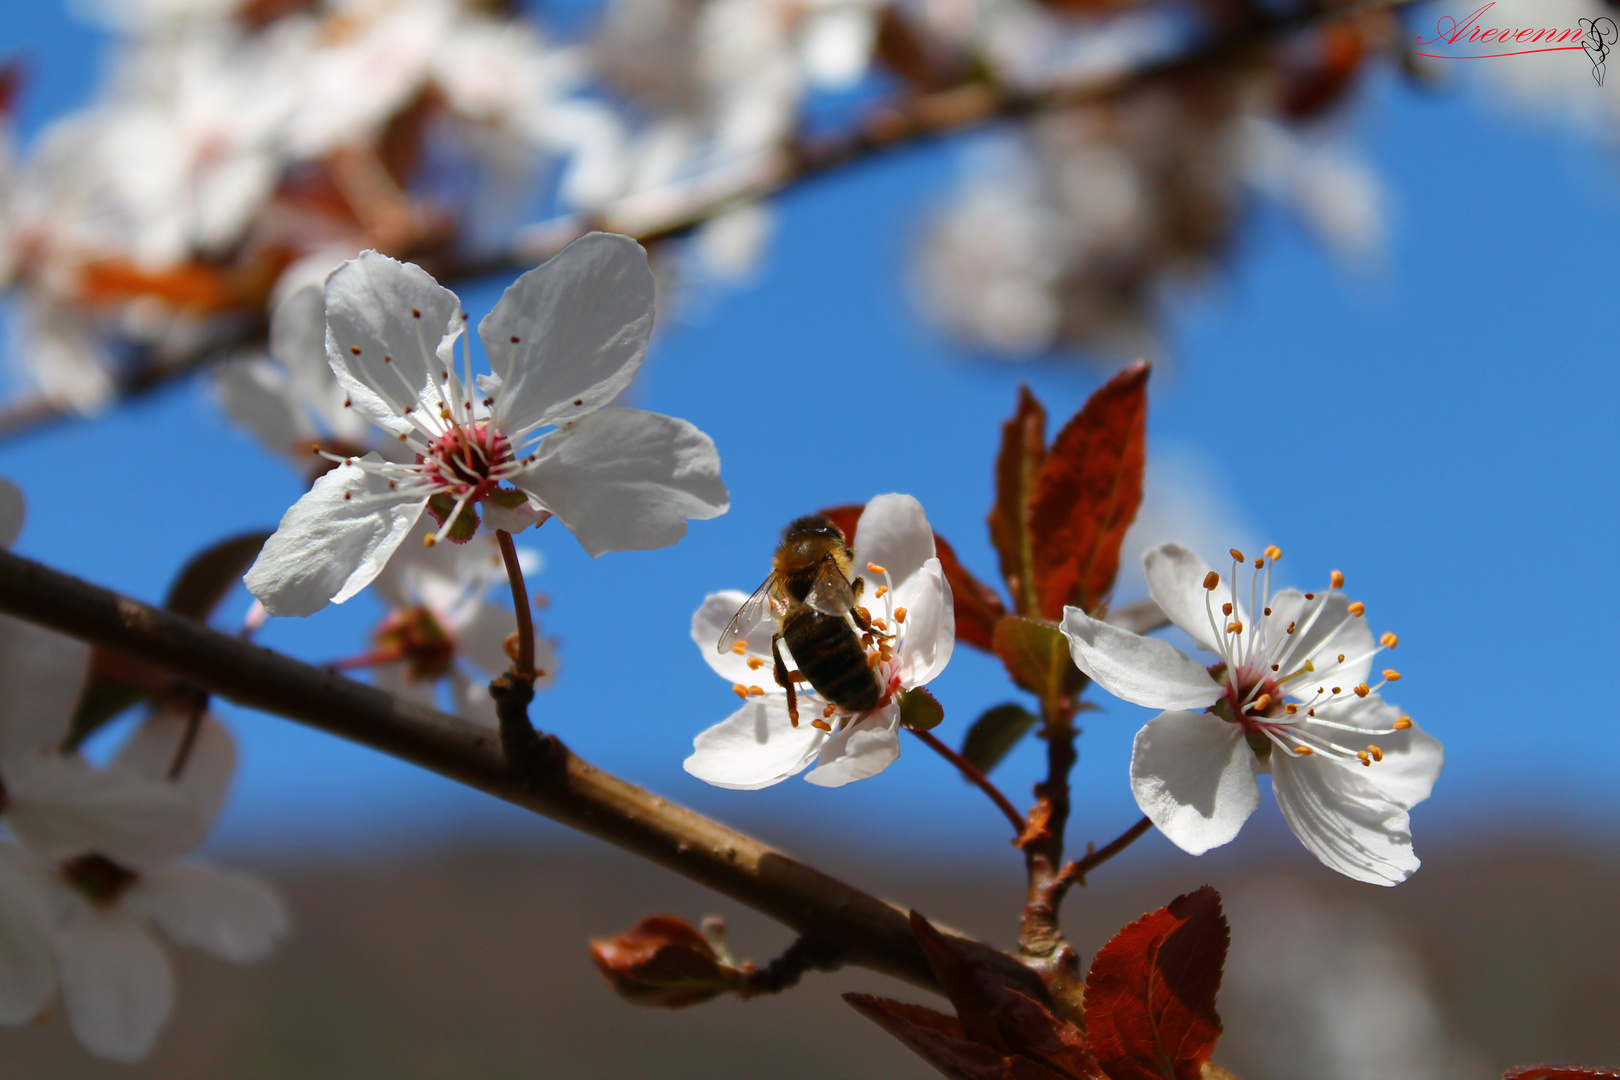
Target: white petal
x=1412 y=758
x=1326 y=630
x=227 y=915
x=1343 y=819
x=396 y=679
x=61 y=807
x=627 y=480
x=42 y=673
x=472 y=700
x=930 y=626
x=258 y=396
x=27 y=973
x=567 y=336
x=116 y=982
x=754 y=747
x=711 y=620
x=512 y=519
x=1141 y=670
x=298 y=340
x=861 y=750
x=894 y=533
x=482 y=641
x=369 y=305
x=837 y=44
x=1193 y=774
x=12 y=511
x=210 y=761
x=1175 y=580
x=327 y=547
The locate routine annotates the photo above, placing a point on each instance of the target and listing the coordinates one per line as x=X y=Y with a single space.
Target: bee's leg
x=782 y=679
x=857 y=586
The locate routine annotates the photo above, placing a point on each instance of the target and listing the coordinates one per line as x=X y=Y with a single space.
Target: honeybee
x=812 y=598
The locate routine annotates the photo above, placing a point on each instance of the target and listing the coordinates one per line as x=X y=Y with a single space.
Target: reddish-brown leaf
x=1087 y=495
x=663 y=962
x=999 y=1013
x=978 y=608
x=936 y=1038
x=1037 y=658
x=1560 y=1072
x=1150 y=995
x=1018 y=469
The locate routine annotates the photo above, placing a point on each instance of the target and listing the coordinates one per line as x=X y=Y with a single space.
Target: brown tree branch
x=858 y=928
x=669 y=213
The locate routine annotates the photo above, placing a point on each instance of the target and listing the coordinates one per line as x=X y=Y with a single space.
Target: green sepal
x=918 y=710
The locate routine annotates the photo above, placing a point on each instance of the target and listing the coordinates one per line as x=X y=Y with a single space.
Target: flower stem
x=524 y=667
x=974 y=776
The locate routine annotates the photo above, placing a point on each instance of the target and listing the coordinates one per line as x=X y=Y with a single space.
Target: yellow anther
x=875 y=568
x=880 y=624
x=1291 y=627
x=1310 y=596
x=1258 y=563
x=829 y=710
x=1211 y=580
x=881 y=589
x=1291 y=708
x=1391 y=675
x=1341 y=658
x=1237 y=555
x=1358 y=609
x=866 y=640
x=1377 y=752
x=1403 y=723
x=1362 y=689
x=1261 y=703
x=1366 y=759
x=1267 y=611
x=315 y=448
x=1309 y=666
x=822 y=724
x=899 y=614
x=1335 y=689
x=1234 y=627
x=740 y=690
x=1304 y=751
x=1226 y=609
x=755 y=663
x=739 y=647
x=1389 y=640
x=873 y=660
x=429 y=540
x=1336 y=579
x=756 y=691
x=1273 y=552
x=795 y=675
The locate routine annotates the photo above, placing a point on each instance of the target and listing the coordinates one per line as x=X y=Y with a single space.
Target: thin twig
x=1075 y=873
x=974 y=776
x=520 y=600
x=661 y=215
x=783 y=973
x=863 y=930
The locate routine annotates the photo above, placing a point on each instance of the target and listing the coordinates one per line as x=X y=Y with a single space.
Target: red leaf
x=997 y=1012
x=978 y=608
x=936 y=1038
x=1560 y=1072
x=663 y=962
x=1018 y=469
x=1150 y=995
x=1087 y=495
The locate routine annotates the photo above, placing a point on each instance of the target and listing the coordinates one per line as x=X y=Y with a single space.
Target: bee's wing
x=750 y=615
x=831 y=594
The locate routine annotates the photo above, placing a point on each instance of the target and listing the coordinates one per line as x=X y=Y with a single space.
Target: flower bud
x=665 y=963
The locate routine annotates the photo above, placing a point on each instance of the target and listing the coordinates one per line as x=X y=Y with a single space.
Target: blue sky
x=1444 y=431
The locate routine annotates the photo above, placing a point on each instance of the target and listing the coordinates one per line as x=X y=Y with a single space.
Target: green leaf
x=918 y=710
x=1036 y=655
x=204 y=580
x=995 y=733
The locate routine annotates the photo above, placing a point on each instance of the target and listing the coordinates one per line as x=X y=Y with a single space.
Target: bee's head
x=808 y=540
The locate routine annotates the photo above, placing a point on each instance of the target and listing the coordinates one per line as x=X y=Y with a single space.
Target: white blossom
x=760 y=744
x=564 y=340
x=1193 y=772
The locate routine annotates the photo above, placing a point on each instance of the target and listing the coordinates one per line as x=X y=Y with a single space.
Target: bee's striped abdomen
x=830 y=655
